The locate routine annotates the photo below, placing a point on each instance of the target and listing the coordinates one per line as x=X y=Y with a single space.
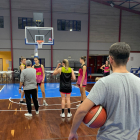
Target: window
x=1 y=22
x=68 y=25
x=22 y=22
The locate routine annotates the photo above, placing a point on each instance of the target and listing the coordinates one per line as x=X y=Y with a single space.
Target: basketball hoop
x=40 y=43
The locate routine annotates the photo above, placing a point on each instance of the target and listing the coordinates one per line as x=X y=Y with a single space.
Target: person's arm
x=43 y=73
x=73 y=75
x=84 y=74
x=102 y=67
x=96 y=97
x=57 y=70
x=79 y=116
x=21 y=81
x=21 y=68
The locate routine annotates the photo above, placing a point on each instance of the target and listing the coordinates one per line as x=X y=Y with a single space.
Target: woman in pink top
x=82 y=78
x=106 y=68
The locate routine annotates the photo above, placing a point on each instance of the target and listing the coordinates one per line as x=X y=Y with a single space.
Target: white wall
x=104 y=28
x=131 y=30
x=68 y=43
x=134 y=61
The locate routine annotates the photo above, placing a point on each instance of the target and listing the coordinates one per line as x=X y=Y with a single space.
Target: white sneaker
x=37 y=112
x=44 y=103
x=62 y=115
x=69 y=115
x=78 y=105
x=28 y=114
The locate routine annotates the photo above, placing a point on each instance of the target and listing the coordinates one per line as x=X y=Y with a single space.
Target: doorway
x=95 y=62
x=1 y=64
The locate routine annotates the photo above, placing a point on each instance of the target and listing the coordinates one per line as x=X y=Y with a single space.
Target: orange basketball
x=96 y=117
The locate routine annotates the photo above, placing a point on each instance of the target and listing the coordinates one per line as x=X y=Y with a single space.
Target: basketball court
x=54 y=30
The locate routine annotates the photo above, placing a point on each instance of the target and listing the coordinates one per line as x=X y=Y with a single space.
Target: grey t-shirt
x=28 y=77
x=119 y=94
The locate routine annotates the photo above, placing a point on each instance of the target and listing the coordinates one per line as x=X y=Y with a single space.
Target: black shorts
x=106 y=74
x=38 y=84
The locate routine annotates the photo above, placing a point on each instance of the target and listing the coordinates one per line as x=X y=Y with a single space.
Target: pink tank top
x=106 y=69
x=39 y=74
x=80 y=75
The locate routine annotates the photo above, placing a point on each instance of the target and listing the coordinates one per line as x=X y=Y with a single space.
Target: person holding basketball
x=106 y=68
x=40 y=76
x=82 y=78
x=22 y=67
x=119 y=94
x=66 y=74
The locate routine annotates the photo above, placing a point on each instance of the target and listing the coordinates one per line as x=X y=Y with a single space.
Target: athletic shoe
x=69 y=115
x=22 y=102
x=78 y=105
x=62 y=115
x=37 y=112
x=44 y=103
x=28 y=114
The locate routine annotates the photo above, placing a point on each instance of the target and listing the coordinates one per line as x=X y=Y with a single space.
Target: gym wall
x=104 y=28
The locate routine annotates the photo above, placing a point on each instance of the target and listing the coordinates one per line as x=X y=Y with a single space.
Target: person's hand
x=19 y=91
x=81 y=85
x=73 y=136
x=59 y=64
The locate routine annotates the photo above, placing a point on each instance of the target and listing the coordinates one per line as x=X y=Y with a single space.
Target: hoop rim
x=40 y=41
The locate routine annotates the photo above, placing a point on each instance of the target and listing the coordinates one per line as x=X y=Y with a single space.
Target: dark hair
x=36 y=58
x=22 y=58
x=84 y=58
x=120 y=52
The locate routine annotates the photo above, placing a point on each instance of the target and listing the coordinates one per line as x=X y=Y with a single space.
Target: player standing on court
x=22 y=67
x=106 y=68
x=40 y=76
x=82 y=78
x=66 y=74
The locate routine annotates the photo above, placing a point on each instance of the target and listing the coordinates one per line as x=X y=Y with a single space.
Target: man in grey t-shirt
x=28 y=77
x=119 y=94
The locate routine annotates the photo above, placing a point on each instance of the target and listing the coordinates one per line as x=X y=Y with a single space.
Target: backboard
x=35 y=34
x=37 y=17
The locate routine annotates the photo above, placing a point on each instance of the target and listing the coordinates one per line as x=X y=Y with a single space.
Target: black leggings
x=106 y=74
x=28 y=94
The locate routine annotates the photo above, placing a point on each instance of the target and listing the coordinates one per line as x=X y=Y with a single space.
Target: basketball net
x=40 y=43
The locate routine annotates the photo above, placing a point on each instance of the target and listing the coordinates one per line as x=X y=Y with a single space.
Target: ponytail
x=66 y=62
x=83 y=58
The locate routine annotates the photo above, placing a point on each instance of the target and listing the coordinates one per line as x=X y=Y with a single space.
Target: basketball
x=96 y=117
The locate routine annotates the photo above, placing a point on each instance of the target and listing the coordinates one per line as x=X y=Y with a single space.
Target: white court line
x=2 y=88
x=35 y=110
x=40 y=105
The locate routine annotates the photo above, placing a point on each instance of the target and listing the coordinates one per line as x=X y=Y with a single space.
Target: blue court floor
x=51 y=90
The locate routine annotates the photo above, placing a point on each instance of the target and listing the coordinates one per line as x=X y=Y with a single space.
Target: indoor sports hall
x=67 y=44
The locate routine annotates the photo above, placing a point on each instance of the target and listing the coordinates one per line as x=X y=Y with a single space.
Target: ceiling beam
x=117 y=6
x=123 y=2
x=135 y=5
